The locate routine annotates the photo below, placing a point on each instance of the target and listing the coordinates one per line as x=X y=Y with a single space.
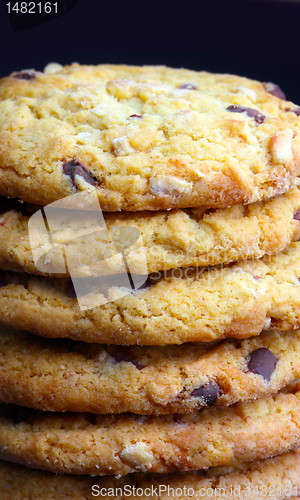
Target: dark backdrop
x=258 y=39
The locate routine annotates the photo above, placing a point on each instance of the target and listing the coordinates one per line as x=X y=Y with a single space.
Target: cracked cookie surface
x=58 y=375
x=147 y=138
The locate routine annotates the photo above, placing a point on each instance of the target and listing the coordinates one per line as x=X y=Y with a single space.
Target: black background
x=258 y=39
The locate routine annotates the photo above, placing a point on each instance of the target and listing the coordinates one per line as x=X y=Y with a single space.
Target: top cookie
x=145 y=137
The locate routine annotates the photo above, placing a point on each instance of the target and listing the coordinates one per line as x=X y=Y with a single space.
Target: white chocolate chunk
x=199 y=173
x=121 y=146
x=248 y=92
x=167 y=184
x=281 y=146
x=81 y=183
x=52 y=68
x=267 y=324
x=82 y=136
x=137 y=454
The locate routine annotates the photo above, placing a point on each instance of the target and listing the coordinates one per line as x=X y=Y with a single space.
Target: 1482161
x=32 y=7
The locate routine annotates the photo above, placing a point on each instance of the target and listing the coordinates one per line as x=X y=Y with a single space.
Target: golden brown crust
x=149 y=143
x=169 y=239
x=67 y=376
x=183 y=305
x=120 y=444
x=264 y=479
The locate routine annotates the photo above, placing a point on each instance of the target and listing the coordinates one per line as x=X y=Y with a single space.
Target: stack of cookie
x=107 y=172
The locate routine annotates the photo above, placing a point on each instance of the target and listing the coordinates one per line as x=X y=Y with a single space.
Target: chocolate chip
x=296 y=215
x=25 y=75
x=188 y=86
x=208 y=392
x=3 y=280
x=120 y=358
x=275 y=90
x=75 y=167
x=252 y=113
x=262 y=361
x=136 y=116
x=294 y=110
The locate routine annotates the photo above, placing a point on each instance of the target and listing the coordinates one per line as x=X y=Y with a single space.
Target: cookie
x=170 y=239
x=81 y=443
x=271 y=478
x=61 y=375
x=146 y=138
x=182 y=305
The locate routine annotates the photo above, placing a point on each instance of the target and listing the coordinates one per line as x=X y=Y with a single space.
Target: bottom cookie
x=275 y=478
x=76 y=443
